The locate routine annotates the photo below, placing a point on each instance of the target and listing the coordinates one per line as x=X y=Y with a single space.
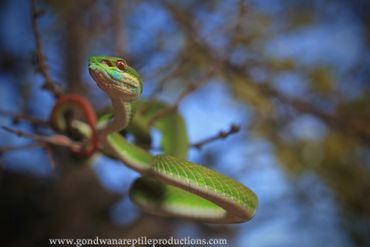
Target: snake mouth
x=109 y=85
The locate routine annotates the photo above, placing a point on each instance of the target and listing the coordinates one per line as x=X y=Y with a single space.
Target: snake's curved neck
x=108 y=135
x=121 y=118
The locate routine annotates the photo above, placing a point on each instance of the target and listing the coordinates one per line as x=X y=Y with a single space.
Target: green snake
x=169 y=186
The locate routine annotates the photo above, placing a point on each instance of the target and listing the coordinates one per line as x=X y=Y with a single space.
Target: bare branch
x=18 y=148
x=40 y=59
x=234 y=128
x=333 y=120
x=221 y=135
x=120 y=42
x=191 y=88
x=50 y=155
x=58 y=140
x=161 y=84
x=17 y=117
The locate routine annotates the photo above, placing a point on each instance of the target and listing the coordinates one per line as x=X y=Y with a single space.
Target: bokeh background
x=292 y=74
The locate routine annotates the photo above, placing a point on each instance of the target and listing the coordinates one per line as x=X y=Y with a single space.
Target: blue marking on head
x=117 y=75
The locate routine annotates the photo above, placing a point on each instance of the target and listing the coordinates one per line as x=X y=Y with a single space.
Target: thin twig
x=49 y=153
x=334 y=120
x=159 y=88
x=17 y=117
x=161 y=84
x=221 y=135
x=40 y=59
x=191 y=88
x=18 y=148
x=117 y=26
x=236 y=30
x=58 y=140
x=198 y=145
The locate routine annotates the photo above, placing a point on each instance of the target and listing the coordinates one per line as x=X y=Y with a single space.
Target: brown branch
x=40 y=59
x=50 y=155
x=120 y=41
x=221 y=135
x=18 y=148
x=198 y=145
x=175 y=72
x=237 y=28
x=190 y=88
x=333 y=120
x=17 y=117
x=161 y=84
x=58 y=140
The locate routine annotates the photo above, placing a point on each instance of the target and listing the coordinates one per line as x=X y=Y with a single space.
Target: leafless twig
x=175 y=72
x=191 y=88
x=334 y=120
x=220 y=135
x=17 y=117
x=198 y=145
x=58 y=140
x=40 y=60
x=50 y=155
x=19 y=147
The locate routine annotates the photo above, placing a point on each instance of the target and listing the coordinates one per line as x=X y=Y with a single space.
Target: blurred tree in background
x=299 y=71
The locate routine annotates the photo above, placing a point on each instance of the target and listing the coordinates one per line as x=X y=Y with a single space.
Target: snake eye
x=106 y=62
x=121 y=65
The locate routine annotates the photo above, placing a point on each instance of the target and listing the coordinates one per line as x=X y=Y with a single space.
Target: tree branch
x=335 y=121
x=58 y=140
x=17 y=117
x=6 y=149
x=40 y=60
x=221 y=135
x=190 y=88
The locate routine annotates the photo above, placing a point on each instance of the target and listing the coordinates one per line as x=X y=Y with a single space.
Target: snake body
x=169 y=186
x=62 y=119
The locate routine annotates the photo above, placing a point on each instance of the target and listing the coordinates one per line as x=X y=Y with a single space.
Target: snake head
x=115 y=77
